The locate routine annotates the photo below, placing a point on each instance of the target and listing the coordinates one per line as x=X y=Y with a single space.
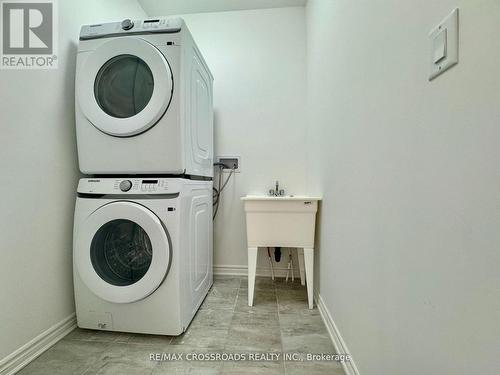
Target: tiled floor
x=278 y=322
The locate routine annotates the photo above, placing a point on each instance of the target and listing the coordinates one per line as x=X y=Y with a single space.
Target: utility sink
x=286 y=221
x=281 y=221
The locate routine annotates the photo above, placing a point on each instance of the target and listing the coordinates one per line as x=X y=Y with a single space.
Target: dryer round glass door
x=122 y=252
x=124 y=86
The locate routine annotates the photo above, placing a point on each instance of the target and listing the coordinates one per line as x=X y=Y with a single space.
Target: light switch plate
x=440 y=46
x=447 y=29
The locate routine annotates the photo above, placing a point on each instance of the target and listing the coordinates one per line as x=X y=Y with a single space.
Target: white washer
x=142 y=253
x=143 y=100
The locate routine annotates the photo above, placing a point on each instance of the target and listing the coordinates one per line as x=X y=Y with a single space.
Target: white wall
x=199 y=6
x=258 y=60
x=38 y=164
x=409 y=170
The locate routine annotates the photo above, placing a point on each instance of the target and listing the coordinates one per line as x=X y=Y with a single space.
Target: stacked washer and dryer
x=143 y=217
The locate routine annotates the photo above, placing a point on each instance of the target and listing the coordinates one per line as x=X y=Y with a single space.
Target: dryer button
x=127 y=24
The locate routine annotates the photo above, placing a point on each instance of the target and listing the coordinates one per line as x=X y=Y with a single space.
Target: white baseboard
x=28 y=352
x=338 y=342
x=237 y=270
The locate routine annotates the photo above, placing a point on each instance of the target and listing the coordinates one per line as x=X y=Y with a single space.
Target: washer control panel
x=153 y=185
x=149 y=185
x=129 y=185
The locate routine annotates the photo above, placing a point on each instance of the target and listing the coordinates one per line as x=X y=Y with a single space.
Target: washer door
x=122 y=252
x=124 y=86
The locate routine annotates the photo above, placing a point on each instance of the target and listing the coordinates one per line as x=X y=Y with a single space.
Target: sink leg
x=309 y=261
x=252 y=267
x=300 y=256
x=270 y=263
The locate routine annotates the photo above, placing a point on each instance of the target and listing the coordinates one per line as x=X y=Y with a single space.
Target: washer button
x=125 y=185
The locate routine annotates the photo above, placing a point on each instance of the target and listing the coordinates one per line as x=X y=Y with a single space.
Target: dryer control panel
x=131 y=27
x=127 y=185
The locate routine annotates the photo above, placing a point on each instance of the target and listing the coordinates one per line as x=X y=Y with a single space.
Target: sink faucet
x=277 y=192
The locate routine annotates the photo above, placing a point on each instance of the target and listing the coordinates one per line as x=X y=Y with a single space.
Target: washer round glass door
x=122 y=252
x=124 y=86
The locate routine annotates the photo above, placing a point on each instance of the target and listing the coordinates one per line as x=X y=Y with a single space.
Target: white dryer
x=143 y=100
x=142 y=253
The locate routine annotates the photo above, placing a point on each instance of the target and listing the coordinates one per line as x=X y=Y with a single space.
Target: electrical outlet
x=230 y=161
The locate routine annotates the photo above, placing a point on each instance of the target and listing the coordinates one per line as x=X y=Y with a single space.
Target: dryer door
x=124 y=86
x=122 y=252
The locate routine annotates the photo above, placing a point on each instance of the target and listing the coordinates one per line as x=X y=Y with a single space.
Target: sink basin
x=284 y=198
x=287 y=221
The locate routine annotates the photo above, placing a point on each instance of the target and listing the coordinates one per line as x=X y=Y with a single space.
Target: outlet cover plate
x=228 y=159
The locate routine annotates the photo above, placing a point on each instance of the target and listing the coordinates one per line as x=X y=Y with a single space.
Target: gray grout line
x=230 y=323
x=281 y=332
x=97 y=358
x=279 y=323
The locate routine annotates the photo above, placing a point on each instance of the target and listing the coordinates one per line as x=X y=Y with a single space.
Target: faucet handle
x=282 y=193
x=271 y=192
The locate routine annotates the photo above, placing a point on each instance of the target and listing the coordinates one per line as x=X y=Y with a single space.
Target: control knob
x=127 y=24
x=125 y=185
